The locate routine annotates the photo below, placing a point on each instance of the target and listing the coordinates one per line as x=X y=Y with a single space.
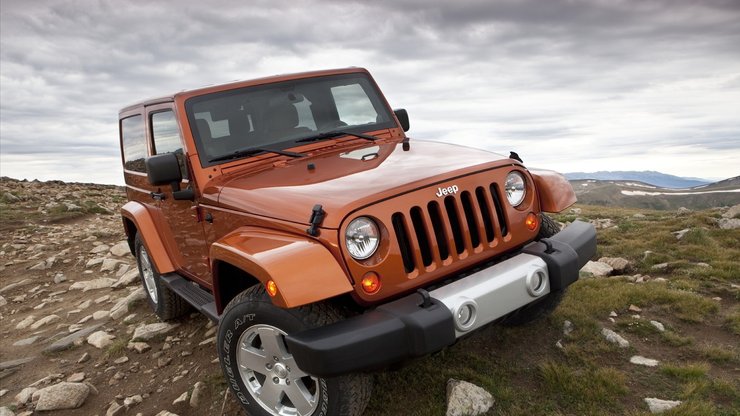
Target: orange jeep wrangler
x=295 y=212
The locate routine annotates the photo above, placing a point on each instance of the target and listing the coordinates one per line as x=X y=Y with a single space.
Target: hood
x=350 y=178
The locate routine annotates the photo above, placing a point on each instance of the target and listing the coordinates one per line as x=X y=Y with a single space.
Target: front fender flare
x=304 y=270
x=555 y=192
x=142 y=219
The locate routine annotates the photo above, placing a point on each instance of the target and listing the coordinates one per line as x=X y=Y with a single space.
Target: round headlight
x=362 y=238
x=516 y=188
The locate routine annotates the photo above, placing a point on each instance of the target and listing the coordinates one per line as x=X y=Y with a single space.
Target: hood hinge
x=317 y=216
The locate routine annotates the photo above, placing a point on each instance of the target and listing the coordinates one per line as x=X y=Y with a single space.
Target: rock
x=104 y=298
x=679 y=234
x=70 y=340
x=466 y=399
x=16 y=363
x=84 y=358
x=25 y=395
x=76 y=378
x=102 y=248
x=139 y=347
x=147 y=332
x=119 y=310
x=199 y=391
x=567 y=327
x=121 y=360
x=639 y=215
x=166 y=413
x=657 y=325
x=597 y=268
x=559 y=344
x=26 y=341
x=132 y=400
x=3 y=301
x=617 y=263
x=100 y=339
x=95 y=261
x=109 y=265
x=683 y=211
x=98 y=315
x=115 y=409
x=102 y=283
x=45 y=320
x=634 y=308
x=640 y=360
x=120 y=249
x=181 y=399
x=729 y=223
x=3 y=392
x=660 y=266
x=15 y=285
x=128 y=278
x=4 y=411
x=26 y=322
x=59 y=278
x=614 y=338
x=732 y=212
x=659 y=406
x=613 y=314
x=61 y=396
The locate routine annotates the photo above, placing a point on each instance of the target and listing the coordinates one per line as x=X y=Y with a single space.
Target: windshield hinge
x=317 y=216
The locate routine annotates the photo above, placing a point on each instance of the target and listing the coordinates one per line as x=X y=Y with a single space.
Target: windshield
x=279 y=115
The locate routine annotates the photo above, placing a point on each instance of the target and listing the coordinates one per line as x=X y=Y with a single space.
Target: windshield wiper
x=254 y=150
x=335 y=133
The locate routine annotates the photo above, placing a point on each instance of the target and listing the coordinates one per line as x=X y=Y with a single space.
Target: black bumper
x=404 y=329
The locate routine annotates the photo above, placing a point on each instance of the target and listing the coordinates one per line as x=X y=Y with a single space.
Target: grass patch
x=116 y=349
x=720 y=354
x=676 y=340
x=583 y=389
x=687 y=372
x=733 y=322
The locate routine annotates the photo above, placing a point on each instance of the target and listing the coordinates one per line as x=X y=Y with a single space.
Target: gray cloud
x=572 y=84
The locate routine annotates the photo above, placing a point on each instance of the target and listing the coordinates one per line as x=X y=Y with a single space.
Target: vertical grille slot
x=399 y=226
x=467 y=205
x=455 y=224
x=485 y=211
x=436 y=216
x=421 y=235
x=499 y=209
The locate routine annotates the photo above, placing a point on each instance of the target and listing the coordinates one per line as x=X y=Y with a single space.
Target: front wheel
x=262 y=373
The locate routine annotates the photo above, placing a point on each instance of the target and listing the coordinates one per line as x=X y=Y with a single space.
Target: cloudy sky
x=571 y=85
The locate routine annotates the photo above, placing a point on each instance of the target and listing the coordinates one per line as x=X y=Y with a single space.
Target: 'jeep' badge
x=447 y=191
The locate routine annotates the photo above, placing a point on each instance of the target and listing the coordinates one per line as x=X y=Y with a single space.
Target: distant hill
x=634 y=194
x=649 y=177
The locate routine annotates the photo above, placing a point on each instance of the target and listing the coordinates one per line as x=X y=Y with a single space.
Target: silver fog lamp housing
x=516 y=188
x=362 y=238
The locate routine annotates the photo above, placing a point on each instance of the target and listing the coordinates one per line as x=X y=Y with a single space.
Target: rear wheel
x=263 y=374
x=166 y=304
x=543 y=307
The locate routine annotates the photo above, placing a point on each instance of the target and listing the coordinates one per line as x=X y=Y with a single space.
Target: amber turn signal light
x=371 y=283
x=531 y=221
x=271 y=288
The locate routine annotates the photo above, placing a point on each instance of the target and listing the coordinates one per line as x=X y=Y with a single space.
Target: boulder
x=147 y=332
x=120 y=249
x=729 y=223
x=25 y=395
x=597 y=268
x=100 y=339
x=45 y=320
x=466 y=399
x=640 y=360
x=128 y=278
x=614 y=338
x=657 y=406
x=94 y=284
x=617 y=263
x=60 y=396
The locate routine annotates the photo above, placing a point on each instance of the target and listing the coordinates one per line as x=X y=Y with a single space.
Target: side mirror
x=164 y=169
x=403 y=118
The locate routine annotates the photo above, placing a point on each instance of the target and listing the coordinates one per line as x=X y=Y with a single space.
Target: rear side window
x=134 y=143
x=166 y=135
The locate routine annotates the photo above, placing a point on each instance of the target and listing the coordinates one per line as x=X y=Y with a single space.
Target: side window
x=166 y=137
x=134 y=143
x=353 y=105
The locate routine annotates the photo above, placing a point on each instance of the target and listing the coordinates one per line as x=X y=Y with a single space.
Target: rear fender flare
x=142 y=219
x=303 y=270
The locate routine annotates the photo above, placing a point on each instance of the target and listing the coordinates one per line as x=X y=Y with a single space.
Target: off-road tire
x=346 y=395
x=544 y=307
x=168 y=305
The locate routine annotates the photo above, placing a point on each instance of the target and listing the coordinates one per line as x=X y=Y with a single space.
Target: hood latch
x=317 y=216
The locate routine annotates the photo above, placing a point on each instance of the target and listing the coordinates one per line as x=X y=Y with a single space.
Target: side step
x=193 y=294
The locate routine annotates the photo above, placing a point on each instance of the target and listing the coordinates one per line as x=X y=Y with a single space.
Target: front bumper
x=410 y=327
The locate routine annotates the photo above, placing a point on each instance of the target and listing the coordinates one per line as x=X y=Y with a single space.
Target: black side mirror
x=164 y=169
x=403 y=118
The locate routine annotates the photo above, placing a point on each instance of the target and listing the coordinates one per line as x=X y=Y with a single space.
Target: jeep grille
x=454 y=227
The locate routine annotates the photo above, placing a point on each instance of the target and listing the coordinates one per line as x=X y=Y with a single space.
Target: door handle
x=158 y=196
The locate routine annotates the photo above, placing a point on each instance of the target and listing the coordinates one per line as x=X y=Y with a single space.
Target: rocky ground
x=75 y=329
x=657 y=327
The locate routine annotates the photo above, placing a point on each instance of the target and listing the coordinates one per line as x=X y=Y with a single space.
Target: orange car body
x=250 y=215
